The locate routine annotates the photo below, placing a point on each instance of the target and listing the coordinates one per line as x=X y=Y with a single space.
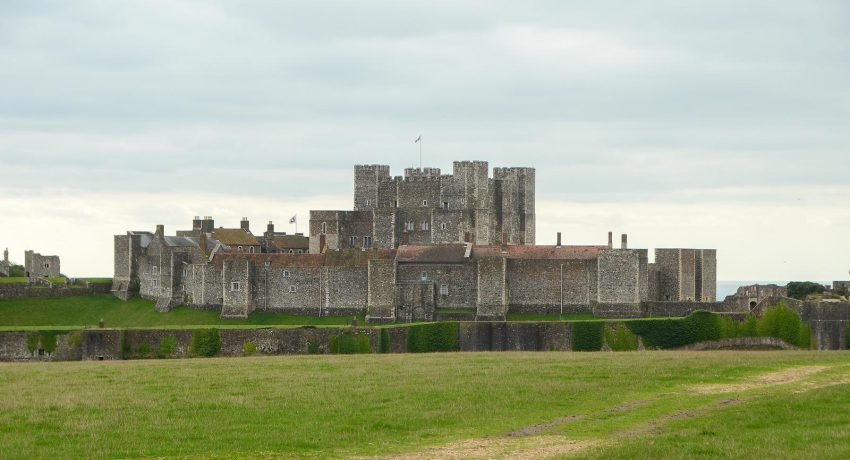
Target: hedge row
x=587 y=335
x=349 y=343
x=423 y=338
x=205 y=342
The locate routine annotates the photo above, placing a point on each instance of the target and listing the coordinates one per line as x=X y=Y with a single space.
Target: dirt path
x=530 y=442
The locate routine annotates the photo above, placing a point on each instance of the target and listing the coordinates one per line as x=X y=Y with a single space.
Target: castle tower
x=514 y=204
x=366 y=182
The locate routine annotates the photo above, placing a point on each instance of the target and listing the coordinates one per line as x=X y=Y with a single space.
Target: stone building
x=5 y=265
x=427 y=207
x=841 y=287
x=39 y=266
x=748 y=297
x=411 y=248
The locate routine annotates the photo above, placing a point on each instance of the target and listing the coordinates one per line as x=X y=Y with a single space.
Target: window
x=154 y=270
x=444 y=289
x=323 y=228
x=236 y=286
x=292 y=289
x=425 y=225
x=267 y=264
x=395 y=203
x=251 y=249
x=286 y=273
x=156 y=282
x=423 y=276
x=368 y=202
x=367 y=241
x=352 y=241
x=445 y=205
x=443 y=226
x=424 y=202
x=290 y=251
x=240 y=248
x=408 y=226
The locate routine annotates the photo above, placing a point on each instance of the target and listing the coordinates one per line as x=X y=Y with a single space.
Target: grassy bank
x=86 y=311
x=621 y=405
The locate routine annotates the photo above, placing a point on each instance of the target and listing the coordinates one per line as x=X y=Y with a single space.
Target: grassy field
x=489 y=405
x=13 y=280
x=86 y=311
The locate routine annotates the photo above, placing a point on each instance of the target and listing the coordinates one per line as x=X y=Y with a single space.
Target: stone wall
x=18 y=290
x=620 y=277
x=492 y=301
x=39 y=266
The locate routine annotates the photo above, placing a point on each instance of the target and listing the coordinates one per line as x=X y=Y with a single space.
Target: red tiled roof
x=538 y=252
x=432 y=253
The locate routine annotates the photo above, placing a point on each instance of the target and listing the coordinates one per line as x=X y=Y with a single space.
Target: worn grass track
x=520 y=405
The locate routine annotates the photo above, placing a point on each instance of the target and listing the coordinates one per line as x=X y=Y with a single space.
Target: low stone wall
x=549 y=309
x=514 y=336
x=677 y=309
x=15 y=290
x=740 y=343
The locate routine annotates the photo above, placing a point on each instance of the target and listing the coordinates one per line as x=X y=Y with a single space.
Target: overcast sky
x=717 y=124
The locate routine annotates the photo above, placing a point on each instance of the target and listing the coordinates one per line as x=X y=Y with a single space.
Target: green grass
x=86 y=311
x=57 y=279
x=13 y=280
x=549 y=317
x=338 y=406
x=97 y=280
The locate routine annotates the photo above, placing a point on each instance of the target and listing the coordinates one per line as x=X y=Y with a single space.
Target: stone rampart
x=15 y=290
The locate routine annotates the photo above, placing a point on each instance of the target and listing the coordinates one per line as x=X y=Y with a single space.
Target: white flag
x=417 y=139
x=292 y=219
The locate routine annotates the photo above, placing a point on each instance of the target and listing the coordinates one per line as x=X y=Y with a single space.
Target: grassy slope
x=368 y=404
x=86 y=311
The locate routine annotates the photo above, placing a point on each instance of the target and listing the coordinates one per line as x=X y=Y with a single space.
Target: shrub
x=144 y=349
x=168 y=345
x=32 y=341
x=75 y=339
x=48 y=341
x=205 y=342
x=18 y=271
x=804 y=340
x=801 y=289
x=781 y=322
x=749 y=328
x=312 y=348
x=587 y=335
x=249 y=348
x=424 y=338
x=620 y=338
x=349 y=343
x=385 y=346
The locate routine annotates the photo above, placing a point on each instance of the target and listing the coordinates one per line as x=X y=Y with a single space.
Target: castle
x=411 y=248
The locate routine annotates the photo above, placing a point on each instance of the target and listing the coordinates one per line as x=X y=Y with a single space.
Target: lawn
x=13 y=279
x=86 y=311
x=525 y=405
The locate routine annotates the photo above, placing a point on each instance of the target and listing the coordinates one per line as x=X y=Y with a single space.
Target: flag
x=292 y=219
x=417 y=139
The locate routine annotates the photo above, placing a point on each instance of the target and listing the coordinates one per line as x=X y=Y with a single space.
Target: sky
x=708 y=124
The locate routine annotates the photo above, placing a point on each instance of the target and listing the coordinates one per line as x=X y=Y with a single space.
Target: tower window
x=408 y=225
x=352 y=241
x=445 y=205
x=323 y=228
x=236 y=286
x=443 y=226
x=367 y=241
x=286 y=273
x=292 y=289
x=424 y=202
x=444 y=289
x=425 y=225
x=423 y=276
x=368 y=202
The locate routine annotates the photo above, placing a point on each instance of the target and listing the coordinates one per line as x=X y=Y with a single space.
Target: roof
x=145 y=237
x=290 y=241
x=181 y=241
x=432 y=253
x=341 y=258
x=539 y=252
x=234 y=236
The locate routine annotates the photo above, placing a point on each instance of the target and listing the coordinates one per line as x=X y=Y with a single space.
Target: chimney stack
x=624 y=244
x=270 y=227
x=207 y=224
x=610 y=240
x=196 y=224
x=559 y=240
x=160 y=230
x=244 y=224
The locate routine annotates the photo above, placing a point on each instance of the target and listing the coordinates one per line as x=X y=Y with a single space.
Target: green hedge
x=205 y=342
x=781 y=322
x=587 y=335
x=385 y=346
x=168 y=345
x=424 y=338
x=620 y=338
x=349 y=343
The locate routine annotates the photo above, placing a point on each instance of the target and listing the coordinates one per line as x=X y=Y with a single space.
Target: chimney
x=207 y=224
x=6 y=255
x=202 y=243
x=160 y=230
x=270 y=227
x=558 y=244
x=623 y=243
x=196 y=224
x=610 y=240
x=244 y=225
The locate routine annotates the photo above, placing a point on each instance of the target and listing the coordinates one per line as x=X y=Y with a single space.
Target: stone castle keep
x=411 y=247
